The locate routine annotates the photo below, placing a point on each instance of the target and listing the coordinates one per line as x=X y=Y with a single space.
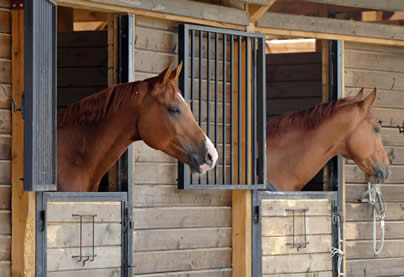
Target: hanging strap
x=338 y=251
x=376 y=200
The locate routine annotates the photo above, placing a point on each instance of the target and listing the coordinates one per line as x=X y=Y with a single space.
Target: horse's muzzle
x=381 y=174
x=204 y=160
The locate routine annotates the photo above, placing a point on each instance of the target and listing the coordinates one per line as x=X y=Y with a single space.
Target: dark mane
x=98 y=106
x=307 y=119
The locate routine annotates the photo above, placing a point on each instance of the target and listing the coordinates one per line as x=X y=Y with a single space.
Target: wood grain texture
x=5 y=21
x=355 y=175
x=5 y=71
x=194 y=273
x=282 y=226
x=386 y=98
x=296 y=263
x=107 y=272
x=364 y=230
x=5 y=198
x=59 y=259
x=5 y=269
x=368 y=78
x=375 y=267
x=306 y=274
x=391 y=192
x=277 y=245
x=364 y=249
x=187 y=217
x=5 y=223
x=182 y=260
x=176 y=239
x=5 y=46
x=105 y=211
x=363 y=212
x=277 y=207
x=5 y=248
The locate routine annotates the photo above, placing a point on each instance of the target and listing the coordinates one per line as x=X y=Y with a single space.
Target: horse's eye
x=174 y=110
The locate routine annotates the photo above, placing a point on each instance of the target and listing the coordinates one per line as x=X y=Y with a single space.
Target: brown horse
x=299 y=144
x=93 y=133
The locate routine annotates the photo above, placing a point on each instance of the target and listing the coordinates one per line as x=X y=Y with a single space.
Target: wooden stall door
x=293 y=234
x=83 y=235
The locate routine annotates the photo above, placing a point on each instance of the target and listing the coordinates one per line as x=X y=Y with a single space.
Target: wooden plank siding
x=177 y=233
x=82 y=65
x=5 y=139
x=294 y=83
x=381 y=67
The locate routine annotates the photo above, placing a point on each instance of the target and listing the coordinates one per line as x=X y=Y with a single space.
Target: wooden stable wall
x=82 y=61
x=186 y=232
x=383 y=68
x=5 y=140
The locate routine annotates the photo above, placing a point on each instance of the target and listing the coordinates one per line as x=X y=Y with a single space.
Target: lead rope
x=338 y=251
x=376 y=200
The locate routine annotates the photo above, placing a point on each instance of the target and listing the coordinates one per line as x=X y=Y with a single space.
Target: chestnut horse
x=93 y=133
x=299 y=144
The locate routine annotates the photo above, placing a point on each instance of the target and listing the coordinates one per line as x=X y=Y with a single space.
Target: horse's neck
x=296 y=156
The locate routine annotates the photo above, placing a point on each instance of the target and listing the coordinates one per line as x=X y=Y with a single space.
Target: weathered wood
x=388 y=5
x=364 y=249
x=5 y=172
x=355 y=175
x=306 y=274
x=392 y=137
x=392 y=193
x=105 y=211
x=278 y=207
x=5 y=198
x=5 y=248
x=364 y=230
x=145 y=262
x=299 y=72
x=82 y=57
x=277 y=245
x=176 y=239
x=169 y=195
x=364 y=212
x=384 y=99
x=5 y=96
x=61 y=258
x=179 y=8
x=326 y=28
x=156 y=24
x=5 y=71
x=107 y=272
x=193 y=273
x=374 y=48
x=293 y=58
x=5 y=223
x=282 y=226
x=283 y=105
x=5 y=4
x=5 y=46
x=5 y=21
x=5 y=147
x=375 y=267
x=296 y=263
x=186 y=217
x=255 y=11
x=82 y=39
x=372 y=79
x=389 y=117
x=374 y=61
x=293 y=89
x=83 y=77
x=66 y=235
x=5 y=269
x=5 y=122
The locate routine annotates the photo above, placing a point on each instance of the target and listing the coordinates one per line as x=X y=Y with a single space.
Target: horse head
x=166 y=123
x=364 y=146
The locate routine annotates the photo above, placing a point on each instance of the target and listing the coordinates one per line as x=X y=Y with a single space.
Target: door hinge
x=128 y=222
x=43 y=220
x=256 y=214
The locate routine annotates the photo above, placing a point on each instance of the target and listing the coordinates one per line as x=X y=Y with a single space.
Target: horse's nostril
x=209 y=158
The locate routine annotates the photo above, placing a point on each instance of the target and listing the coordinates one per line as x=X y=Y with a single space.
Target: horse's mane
x=98 y=106
x=307 y=119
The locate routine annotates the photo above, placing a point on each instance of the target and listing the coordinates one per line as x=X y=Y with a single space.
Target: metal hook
x=15 y=109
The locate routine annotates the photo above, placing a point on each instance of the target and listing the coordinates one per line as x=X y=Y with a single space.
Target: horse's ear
x=370 y=99
x=165 y=74
x=359 y=96
x=176 y=72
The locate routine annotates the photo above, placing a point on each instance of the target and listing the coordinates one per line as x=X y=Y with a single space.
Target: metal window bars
x=223 y=79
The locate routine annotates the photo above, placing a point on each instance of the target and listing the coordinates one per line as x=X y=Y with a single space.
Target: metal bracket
x=85 y=258
x=15 y=108
x=400 y=128
x=43 y=220
x=256 y=214
x=294 y=244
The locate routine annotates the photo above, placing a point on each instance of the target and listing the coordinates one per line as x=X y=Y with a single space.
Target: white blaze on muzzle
x=213 y=154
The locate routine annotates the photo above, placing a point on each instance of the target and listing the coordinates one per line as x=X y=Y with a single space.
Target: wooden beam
x=256 y=11
x=23 y=203
x=327 y=28
x=372 y=16
x=385 y=5
x=88 y=16
x=65 y=19
x=176 y=10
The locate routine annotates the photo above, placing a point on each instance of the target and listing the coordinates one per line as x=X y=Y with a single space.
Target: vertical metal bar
x=305 y=234
x=192 y=81
x=200 y=85
x=207 y=93
x=254 y=111
x=93 y=256
x=247 y=109
x=239 y=110
x=224 y=109
x=231 y=108
x=216 y=95
x=261 y=111
x=183 y=55
x=81 y=236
